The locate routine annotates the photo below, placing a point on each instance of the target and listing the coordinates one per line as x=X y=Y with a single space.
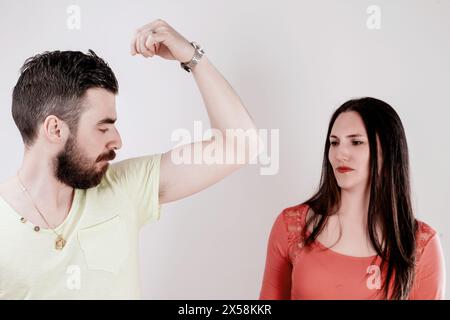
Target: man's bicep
x=190 y=168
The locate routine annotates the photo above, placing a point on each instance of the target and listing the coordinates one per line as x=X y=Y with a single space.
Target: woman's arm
x=277 y=275
x=430 y=276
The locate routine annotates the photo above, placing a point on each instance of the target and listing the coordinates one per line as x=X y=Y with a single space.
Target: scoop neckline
x=73 y=208
x=328 y=249
x=322 y=246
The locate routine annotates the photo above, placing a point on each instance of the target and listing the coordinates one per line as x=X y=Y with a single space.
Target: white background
x=293 y=63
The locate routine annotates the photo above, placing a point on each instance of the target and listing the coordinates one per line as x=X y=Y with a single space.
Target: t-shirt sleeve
x=430 y=272
x=276 y=283
x=139 y=179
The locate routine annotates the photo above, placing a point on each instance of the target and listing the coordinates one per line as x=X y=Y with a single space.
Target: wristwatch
x=198 y=54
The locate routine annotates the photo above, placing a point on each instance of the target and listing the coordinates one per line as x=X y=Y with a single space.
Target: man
x=69 y=222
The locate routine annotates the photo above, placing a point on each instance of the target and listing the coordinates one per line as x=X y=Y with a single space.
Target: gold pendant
x=60 y=243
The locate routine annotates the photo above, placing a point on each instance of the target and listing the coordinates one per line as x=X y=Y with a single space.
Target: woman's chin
x=345 y=185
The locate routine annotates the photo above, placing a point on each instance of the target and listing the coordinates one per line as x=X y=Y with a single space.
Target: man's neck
x=46 y=191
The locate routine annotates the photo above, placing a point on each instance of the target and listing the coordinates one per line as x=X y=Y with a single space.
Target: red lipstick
x=344 y=169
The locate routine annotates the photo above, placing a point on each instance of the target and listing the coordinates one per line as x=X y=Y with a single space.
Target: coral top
x=295 y=272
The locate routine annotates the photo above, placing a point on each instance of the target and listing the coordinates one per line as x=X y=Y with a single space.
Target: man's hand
x=159 y=38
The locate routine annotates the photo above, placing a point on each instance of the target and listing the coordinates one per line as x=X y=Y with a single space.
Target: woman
x=357 y=237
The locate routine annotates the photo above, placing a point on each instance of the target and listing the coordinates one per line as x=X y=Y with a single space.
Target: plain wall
x=292 y=63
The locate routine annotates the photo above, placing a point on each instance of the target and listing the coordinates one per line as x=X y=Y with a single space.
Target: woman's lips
x=344 y=169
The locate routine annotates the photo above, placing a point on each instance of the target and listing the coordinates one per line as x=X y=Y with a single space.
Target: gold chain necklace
x=60 y=242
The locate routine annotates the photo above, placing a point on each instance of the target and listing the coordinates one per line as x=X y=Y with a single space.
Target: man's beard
x=74 y=169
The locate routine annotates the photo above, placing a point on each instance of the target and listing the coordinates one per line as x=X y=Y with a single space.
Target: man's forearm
x=225 y=108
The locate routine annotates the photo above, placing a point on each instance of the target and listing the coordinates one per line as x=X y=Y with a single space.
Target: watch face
x=188 y=66
x=197 y=47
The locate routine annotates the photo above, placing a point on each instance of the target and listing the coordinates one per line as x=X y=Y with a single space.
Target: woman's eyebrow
x=355 y=135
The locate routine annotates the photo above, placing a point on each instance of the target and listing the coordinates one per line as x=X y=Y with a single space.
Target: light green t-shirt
x=100 y=259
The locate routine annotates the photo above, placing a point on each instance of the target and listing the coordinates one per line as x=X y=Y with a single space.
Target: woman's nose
x=342 y=154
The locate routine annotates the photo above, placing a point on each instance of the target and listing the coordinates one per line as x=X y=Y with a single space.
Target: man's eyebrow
x=355 y=135
x=107 y=121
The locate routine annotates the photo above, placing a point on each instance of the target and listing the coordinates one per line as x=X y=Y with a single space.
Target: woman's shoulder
x=296 y=212
x=424 y=234
x=294 y=218
x=290 y=223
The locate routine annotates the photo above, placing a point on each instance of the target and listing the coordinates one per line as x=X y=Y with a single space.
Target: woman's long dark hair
x=390 y=201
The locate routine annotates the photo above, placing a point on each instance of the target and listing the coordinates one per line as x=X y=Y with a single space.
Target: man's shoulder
x=134 y=162
x=131 y=168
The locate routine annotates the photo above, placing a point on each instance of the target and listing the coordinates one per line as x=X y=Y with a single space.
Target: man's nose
x=116 y=143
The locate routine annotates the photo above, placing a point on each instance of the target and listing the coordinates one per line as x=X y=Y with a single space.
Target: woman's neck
x=354 y=205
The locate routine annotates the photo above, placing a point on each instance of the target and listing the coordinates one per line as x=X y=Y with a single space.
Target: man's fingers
x=147 y=51
x=157 y=45
x=147 y=39
x=140 y=46
x=153 y=42
x=150 y=43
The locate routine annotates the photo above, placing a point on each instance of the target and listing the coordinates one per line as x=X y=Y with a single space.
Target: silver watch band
x=198 y=54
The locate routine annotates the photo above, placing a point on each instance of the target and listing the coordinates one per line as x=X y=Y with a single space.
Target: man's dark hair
x=54 y=83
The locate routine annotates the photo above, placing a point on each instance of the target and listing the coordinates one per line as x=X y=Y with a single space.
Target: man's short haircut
x=54 y=83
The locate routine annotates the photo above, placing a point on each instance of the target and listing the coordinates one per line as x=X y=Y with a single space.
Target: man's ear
x=55 y=130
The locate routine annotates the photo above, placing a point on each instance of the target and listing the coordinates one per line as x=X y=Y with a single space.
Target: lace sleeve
x=295 y=220
x=429 y=282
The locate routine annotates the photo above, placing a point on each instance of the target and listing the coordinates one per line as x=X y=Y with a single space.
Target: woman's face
x=349 y=152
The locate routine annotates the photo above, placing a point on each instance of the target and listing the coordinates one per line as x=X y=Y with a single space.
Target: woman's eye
x=103 y=130
x=357 y=143
x=333 y=143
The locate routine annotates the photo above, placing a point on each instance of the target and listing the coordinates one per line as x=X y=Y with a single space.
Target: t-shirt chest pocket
x=105 y=244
